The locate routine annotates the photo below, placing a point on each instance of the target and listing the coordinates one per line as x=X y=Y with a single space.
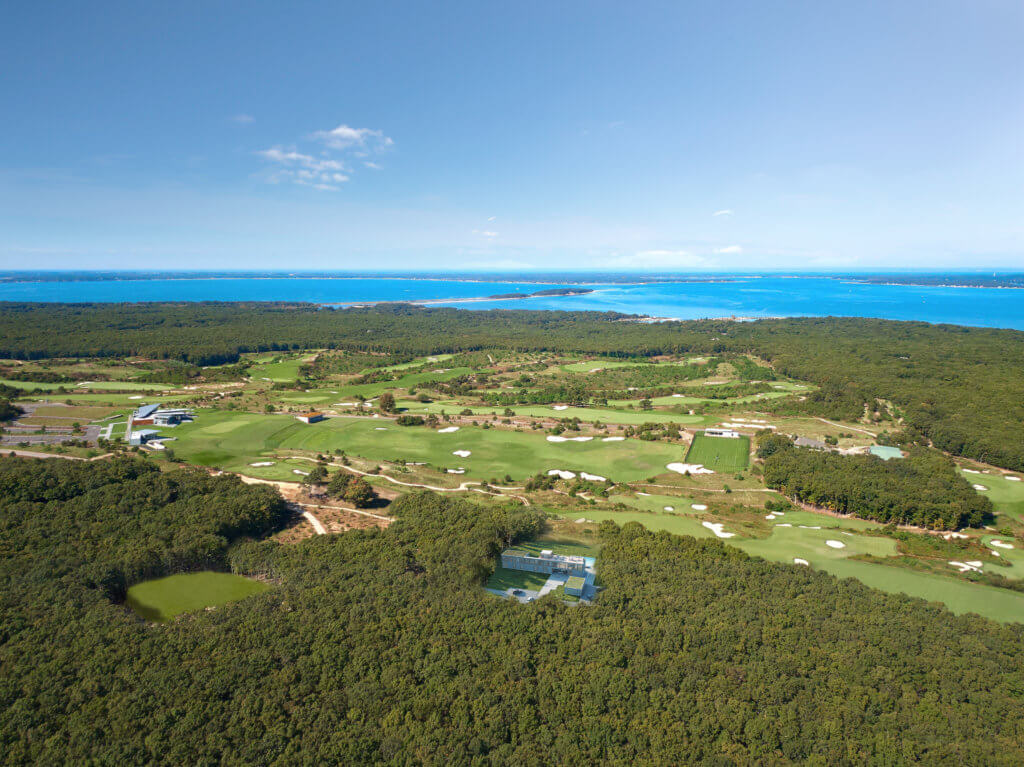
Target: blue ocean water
x=764 y=296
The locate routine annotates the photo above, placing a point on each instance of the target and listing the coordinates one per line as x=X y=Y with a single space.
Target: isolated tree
x=339 y=484
x=360 y=493
x=387 y=402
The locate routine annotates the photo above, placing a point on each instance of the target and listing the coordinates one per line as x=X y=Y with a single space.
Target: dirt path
x=347 y=510
x=841 y=426
x=317 y=525
x=33 y=454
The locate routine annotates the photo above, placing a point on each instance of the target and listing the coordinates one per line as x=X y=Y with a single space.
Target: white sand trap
x=560 y=407
x=448 y=430
x=996 y=554
x=613 y=439
x=783 y=524
x=643 y=494
x=343 y=404
x=966 y=567
x=699 y=506
x=678 y=395
x=380 y=428
x=593 y=477
x=262 y=463
x=462 y=453
x=556 y=438
x=716 y=528
x=668 y=508
x=562 y=474
x=769 y=516
x=950 y=536
x=1001 y=544
x=980 y=487
x=811 y=527
x=798 y=561
x=136 y=396
x=688 y=468
x=833 y=544
x=1014 y=479
x=300 y=472
x=972 y=471
x=581 y=520
x=456 y=471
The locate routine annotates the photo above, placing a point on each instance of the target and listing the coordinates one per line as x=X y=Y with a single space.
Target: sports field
x=163 y=598
x=233 y=441
x=722 y=454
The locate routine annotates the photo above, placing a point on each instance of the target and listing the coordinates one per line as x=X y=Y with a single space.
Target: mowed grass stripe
x=722 y=454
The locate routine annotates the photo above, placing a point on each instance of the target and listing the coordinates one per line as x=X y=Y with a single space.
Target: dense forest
x=958 y=388
x=381 y=647
x=923 y=489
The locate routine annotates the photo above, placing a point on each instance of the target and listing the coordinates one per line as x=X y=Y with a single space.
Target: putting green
x=163 y=598
x=248 y=437
x=723 y=454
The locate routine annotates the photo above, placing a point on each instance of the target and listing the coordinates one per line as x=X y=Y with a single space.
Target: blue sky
x=691 y=136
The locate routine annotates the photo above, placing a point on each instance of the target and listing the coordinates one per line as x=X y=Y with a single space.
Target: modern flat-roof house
x=575 y=585
x=141 y=436
x=311 y=417
x=154 y=414
x=722 y=433
x=545 y=562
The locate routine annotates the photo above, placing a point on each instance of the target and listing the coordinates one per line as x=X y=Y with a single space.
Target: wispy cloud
x=723 y=212
x=485 y=233
x=659 y=258
x=323 y=166
x=729 y=249
x=491 y=218
x=243 y=119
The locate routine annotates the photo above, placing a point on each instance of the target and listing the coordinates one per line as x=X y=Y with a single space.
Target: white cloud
x=373 y=165
x=243 y=119
x=724 y=212
x=491 y=218
x=729 y=249
x=485 y=233
x=345 y=136
x=660 y=259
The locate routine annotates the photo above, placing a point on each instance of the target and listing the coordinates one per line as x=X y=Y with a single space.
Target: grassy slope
x=163 y=598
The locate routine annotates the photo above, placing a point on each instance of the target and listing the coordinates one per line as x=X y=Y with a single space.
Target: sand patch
x=798 y=561
x=560 y=407
x=643 y=494
x=136 y=396
x=966 y=567
x=380 y=428
x=613 y=439
x=688 y=468
x=972 y=471
x=448 y=430
x=979 y=487
x=262 y=463
x=1014 y=479
x=562 y=474
x=668 y=508
x=462 y=453
x=1001 y=544
x=456 y=471
x=811 y=527
x=716 y=528
x=833 y=544
x=950 y=536
x=300 y=472
x=699 y=506
x=783 y=524
x=769 y=516
x=556 y=438
x=593 y=477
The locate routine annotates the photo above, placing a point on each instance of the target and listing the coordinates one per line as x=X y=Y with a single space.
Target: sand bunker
x=769 y=516
x=380 y=428
x=621 y=439
x=262 y=463
x=456 y=471
x=448 y=430
x=811 y=527
x=798 y=561
x=688 y=468
x=980 y=487
x=965 y=567
x=556 y=438
x=643 y=494
x=783 y=524
x=668 y=508
x=593 y=477
x=716 y=528
x=1001 y=544
x=562 y=474
x=1014 y=479
x=560 y=407
x=698 y=507
x=136 y=396
x=950 y=536
x=300 y=472
x=833 y=544
x=462 y=453
x=972 y=471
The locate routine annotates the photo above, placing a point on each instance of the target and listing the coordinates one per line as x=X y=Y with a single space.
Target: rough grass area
x=163 y=598
x=723 y=454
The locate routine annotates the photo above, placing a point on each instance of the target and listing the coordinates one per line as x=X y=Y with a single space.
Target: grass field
x=679 y=524
x=722 y=454
x=283 y=370
x=1006 y=495
x=163 y=598
x=503 y=579
x=679 y=504
x=589 y=414
x=234 y=440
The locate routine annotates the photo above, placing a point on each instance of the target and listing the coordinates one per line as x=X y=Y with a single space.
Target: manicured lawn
x=559 y=545
x=588 y=414
x=1006 y=495
x=89 y=386
x=234 y=440
x=284 y=369
x=722 y=454
x=589 y=365
x=163 y=598
x=503 y=579
x=679 y=524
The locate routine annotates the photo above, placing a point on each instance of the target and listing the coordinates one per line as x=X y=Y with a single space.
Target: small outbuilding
x=813 y=444
x=311 y=417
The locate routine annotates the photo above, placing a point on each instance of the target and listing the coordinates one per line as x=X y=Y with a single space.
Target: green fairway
x=678 y=504
x=279 y=369
x=589 y=414
x=722 y=454
x=163 y=598
x=786 y=543
x=679 y=524
x=1007 y=495
x=74 y=388
x=234 y=440
x=588 y=366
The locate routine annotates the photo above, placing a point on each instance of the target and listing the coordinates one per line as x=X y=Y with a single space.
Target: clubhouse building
x=574 y=571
